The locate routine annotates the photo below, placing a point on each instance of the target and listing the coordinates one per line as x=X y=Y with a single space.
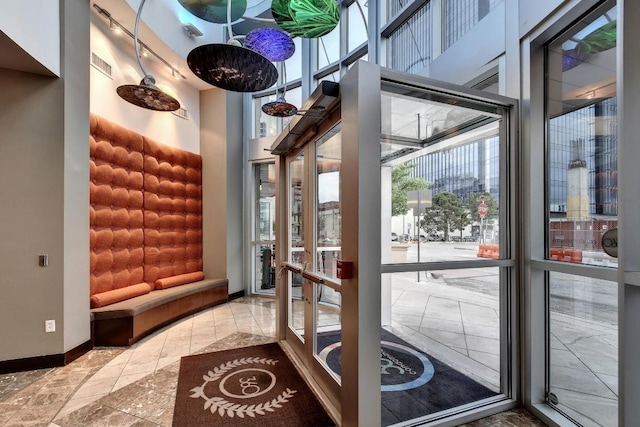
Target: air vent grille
x=182 y=113
x=100 y=65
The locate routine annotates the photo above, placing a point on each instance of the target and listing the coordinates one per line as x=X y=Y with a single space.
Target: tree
x=475 y=200
x=401 y=183
x=446 y=209
x=460 y=222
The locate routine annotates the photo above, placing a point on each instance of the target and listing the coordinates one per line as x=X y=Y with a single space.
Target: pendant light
x=230 y=66
x=280 y=107
x=146 y=94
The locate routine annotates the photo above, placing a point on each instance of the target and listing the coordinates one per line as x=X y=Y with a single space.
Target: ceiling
x=161 y=28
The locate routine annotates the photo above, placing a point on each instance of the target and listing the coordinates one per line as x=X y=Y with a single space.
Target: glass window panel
x=448 y=323
x=409 y=47
x=264 y=231
x=459 y=16
x=582 y=174
x=357 y=17
x=294 y=64
x=446 y=196
x=328 y=329
x=296 y=304
x=265 y=125
x=296 y=288
x=583 y=348
x=329 y=48
x=328 y=204
x=296 y=219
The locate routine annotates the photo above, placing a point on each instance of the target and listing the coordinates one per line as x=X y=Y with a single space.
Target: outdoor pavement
x=454 y=316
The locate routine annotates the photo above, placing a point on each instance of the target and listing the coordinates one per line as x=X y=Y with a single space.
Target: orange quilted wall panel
x=146 y=209
x=172 y=211
x=116 y=199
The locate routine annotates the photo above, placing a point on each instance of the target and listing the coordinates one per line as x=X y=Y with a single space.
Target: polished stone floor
x=135 y=386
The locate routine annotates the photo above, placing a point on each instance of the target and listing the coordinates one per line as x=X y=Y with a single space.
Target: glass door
x=313 y=289
x=411 y=324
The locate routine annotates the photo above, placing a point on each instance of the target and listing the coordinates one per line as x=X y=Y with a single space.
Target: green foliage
x=446 y=214
x=474 y=201
x=461 y=221
x=401 y=183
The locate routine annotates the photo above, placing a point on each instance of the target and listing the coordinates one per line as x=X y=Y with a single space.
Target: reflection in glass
x=296 y=304
x=328 y=214
x=452 y=318
x=328 y=328
x=296 y=219
x=583 y=348
x=459 y=16
x=409 y=53
x=296 y=295
x=582 y=171
x=264 y=231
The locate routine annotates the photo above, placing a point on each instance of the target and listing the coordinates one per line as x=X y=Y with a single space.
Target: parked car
x=435 y=238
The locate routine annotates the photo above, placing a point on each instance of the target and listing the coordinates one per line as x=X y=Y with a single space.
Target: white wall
x=163 y=127
x=35 y=27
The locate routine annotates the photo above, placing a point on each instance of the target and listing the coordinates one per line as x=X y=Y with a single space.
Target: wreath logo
x=223 y=407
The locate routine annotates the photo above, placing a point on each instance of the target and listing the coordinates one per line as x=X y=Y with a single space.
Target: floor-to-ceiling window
x=581 y=206
x=264 y=220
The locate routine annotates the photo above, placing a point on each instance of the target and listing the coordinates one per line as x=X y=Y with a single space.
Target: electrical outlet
x=49 y=325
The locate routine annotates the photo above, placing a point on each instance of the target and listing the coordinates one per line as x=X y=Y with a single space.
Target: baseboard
x=78 y=351
x=236 y=295
x=44 y=362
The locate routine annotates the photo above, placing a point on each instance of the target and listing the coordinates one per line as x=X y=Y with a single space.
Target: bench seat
x=125 y=322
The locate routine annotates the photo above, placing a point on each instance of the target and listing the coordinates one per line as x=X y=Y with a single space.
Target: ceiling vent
x=101 y=65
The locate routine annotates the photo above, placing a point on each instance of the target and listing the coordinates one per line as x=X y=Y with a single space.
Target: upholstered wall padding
x=116 y=202
x=172 y=211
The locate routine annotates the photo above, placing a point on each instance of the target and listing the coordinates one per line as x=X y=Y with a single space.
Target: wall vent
x=182 y=113
x=100 y=65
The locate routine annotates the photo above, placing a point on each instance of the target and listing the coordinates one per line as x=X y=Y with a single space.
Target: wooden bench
x=125 y=322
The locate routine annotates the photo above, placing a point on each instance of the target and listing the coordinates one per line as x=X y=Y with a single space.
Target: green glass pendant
x=306 y=18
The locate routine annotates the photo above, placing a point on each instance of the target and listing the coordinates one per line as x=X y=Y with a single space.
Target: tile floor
x=135 y=386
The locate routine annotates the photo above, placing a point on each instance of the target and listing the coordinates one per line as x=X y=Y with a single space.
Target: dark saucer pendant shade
x=147 y=95
x=215 y=10
x=306 y=18
x=279 y=108
x=273 y=44
x=232 y=67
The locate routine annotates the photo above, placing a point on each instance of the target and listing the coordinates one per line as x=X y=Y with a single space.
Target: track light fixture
x=146 y=94
x=144 y=50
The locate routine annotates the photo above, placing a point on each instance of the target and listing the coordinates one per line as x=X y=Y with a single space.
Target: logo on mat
x=390 y=365
x=247 y=383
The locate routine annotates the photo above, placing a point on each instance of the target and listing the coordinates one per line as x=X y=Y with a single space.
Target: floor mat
x=414 y=384
x=247 y=386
